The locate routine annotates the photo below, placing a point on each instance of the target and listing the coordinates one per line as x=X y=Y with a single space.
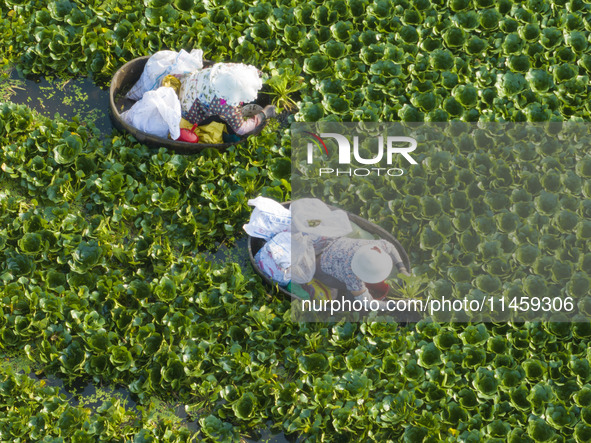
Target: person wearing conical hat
x=219 y=91
x=351 y=263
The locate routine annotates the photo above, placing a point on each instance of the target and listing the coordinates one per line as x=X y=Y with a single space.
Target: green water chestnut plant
x=538 y=55
x=285 y=81
x=34 y=411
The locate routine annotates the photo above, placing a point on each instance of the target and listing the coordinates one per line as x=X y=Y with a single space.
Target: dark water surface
x=67 y=97
x=90 y=396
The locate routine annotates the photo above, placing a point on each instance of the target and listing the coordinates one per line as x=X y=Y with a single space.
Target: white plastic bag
x=274 y=258
x=164 y=63
x=157 y=113
x=312 y=216
x=303 y=259
x=267 y=219
x=361 y=233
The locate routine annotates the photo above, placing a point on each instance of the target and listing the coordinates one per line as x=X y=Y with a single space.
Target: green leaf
x=539 y=80
x=173 y=372
x=485 y=383
x=408 y=34
x=244 y=408
x=539 y=430
x=583 y=167
x=67 y=152
x=313 y=364
x=30 y=243
x=120 y=357
x=59 y=9
x=454 y=37
x=546 y=203
x=475 y=335
x=86 y=256
x=487 y=283
x=165 y=289
x=217 y=429
x=430 y=239
x=169 y=198
x=315 y=64
x=565 y=72
x=467 y=95
x=511 y=83
x=429 y=356
x=498 y=428
x=73 y=358
x=526 y=254
x=534 y=286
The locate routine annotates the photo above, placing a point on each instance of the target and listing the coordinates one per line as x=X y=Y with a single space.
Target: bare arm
x=396 y=259
x=249 y=125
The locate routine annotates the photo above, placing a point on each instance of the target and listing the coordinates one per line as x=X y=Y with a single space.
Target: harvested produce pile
x=101 y=273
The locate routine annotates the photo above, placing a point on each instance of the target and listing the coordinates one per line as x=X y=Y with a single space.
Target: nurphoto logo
x=395 y=145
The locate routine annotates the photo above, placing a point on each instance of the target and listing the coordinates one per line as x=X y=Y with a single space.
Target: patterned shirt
x=199 y=102
x=199 y=111
x=337 y=257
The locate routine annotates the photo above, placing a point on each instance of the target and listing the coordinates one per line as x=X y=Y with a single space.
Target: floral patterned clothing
x=199 y=101
x=234 y=82
x=199 y=111
x=337 y=257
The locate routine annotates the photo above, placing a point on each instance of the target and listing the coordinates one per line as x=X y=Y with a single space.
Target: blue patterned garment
x=199 y=111
x=337 y=257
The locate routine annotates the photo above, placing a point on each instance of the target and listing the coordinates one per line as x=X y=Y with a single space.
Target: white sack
x=274 y=258
x=267 y=219
x=361 y=233
x=303 y=259
x=164 y=63
x=312 y=216
x=157 y=113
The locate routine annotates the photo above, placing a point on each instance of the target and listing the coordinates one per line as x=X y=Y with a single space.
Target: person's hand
x=401 y=268
x=362 y=295
x=270 y=111
x=366 y=297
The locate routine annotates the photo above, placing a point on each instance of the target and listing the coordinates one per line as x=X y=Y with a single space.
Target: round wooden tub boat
x=124 y=79
x=255 y=244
